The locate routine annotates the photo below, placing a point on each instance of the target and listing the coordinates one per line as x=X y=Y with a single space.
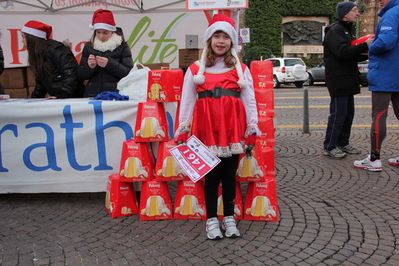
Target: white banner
x=152 y=37
x=69 y=145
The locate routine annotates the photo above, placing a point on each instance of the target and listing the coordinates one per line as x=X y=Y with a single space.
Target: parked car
x=317 y=73
x=288 y=71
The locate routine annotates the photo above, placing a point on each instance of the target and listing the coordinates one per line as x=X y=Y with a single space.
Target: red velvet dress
x=220 y=123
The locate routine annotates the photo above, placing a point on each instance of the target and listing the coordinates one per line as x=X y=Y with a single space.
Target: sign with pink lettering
x=194 y=158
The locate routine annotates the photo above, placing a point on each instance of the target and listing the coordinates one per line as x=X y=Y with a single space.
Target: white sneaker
x=229 y=225
x=374 y=166
x=394 y=161
x=212 y=229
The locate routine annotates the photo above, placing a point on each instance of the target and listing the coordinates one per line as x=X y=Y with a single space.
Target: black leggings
x=225 y=172
x=380 y=103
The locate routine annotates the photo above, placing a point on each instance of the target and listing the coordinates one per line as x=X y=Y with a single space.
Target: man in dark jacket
x=342 y=78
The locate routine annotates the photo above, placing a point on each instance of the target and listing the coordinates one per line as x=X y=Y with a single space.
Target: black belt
x=218 y=92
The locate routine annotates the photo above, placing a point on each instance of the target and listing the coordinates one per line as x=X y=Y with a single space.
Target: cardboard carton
x=21 y=93
x=137 y=164
x=155 y=201
x=261 y=201
x=151 y=125
x=188 y=56
x=30 y=77
x=13 y=78
x=165 y=85
x=238 y=204
x=265 y=102
x=120 y=199
x=266 y=126
x=262 y=74
x=190 y=201
x=167 y=168
x=251 y=168
x=155 y=66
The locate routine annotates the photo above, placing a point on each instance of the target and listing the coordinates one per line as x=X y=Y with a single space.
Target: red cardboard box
x=137 y=164
x=190 y=201
x=165 y=85
x=268 y=161
x=264 y=102
x=250 y=168
x=238 y=206
x=155 y=201
x=120 y=198
x=167 y=168
x=262 y=74
x=151 y=125
x=261 y=201
x=266 y=126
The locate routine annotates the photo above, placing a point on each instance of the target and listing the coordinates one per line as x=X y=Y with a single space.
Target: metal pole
x=305 y=108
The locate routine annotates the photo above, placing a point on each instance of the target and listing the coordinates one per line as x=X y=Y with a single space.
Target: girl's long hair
x=37 y=49
x=229 y=59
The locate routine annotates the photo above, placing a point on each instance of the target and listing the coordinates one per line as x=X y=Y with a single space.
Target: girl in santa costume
x=218 y=106
x=106 y=58
x=52 y=63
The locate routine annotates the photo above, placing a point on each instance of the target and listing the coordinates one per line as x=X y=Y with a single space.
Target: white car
x=288 y=70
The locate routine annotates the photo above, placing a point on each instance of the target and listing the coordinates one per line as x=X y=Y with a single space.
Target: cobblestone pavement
x=330 y=212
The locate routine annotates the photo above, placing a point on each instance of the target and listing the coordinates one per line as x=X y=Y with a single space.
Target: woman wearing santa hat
x=218 y=106
x=106 y=58
x=53 y=63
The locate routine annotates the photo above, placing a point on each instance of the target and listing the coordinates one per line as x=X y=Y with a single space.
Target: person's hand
x=102 y=61
x=91 y=61
x=182 y=138
x=370 y=40
x=250 y=143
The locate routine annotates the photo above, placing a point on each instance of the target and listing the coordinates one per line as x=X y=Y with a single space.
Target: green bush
x=264 y=19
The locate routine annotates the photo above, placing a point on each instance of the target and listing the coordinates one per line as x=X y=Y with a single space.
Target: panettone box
x=155 y=201
x=262 y=74
x=264 y=102
x=167 y=168
x=266 y=126
x=137 y=163
x=250 y=168
x=165 y=85
x=238 y=203
x=120 y=198
x=151 y=124
x=190 y=200
x=261 y=201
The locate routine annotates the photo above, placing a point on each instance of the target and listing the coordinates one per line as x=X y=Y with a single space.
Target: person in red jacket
x=218 y=106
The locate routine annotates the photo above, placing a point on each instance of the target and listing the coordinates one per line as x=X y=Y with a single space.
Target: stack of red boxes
x=258 y=170
x=138 y=162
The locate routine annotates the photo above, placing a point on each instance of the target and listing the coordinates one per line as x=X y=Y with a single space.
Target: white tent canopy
x=91 y=5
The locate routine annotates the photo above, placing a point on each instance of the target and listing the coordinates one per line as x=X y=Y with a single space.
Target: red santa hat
x=103 y=19
x=37 y=29
x=226 y=24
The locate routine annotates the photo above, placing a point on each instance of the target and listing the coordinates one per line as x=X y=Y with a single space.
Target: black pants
x=380 y=103
x=342 y=111
x=224 y=172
